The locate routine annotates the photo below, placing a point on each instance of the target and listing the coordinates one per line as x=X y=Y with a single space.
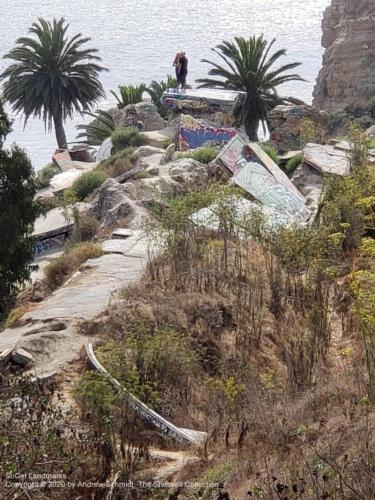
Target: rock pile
x=285 y=122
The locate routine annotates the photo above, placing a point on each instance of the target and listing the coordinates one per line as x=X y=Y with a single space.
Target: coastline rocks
x=111 y=203
x=144 y=113
x=348 y=72
x=285 y=123
x=189 y=171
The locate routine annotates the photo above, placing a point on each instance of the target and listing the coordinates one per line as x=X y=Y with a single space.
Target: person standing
x=177 y=66
x=181 y=68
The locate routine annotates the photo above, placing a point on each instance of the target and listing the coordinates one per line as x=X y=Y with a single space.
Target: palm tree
x=94 y=133
x=52 y=76
x=129 y=94
x=156 y=90
x=249 y=68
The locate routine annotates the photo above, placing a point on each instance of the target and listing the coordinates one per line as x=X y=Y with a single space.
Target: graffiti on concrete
x=184 y=436
x=257 y=181
x=194 y=133
x=207 y=100
x=49 y=245
x=257 y=174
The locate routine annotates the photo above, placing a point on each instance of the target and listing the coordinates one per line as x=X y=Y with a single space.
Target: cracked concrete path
x=51 y=330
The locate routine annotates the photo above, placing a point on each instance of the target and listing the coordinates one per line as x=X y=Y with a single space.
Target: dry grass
x=59 y=269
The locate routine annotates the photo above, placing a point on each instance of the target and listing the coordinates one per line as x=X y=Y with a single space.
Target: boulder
x=111 y=203
x=146 y=113
x=168 y=154
x=156 y=138
x=285 y=123
x=189 y=171
x=310 y=183
x=145 y=151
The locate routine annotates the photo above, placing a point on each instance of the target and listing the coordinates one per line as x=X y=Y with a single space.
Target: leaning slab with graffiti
x=257 y=174
x=49 y=245
x=193 y=133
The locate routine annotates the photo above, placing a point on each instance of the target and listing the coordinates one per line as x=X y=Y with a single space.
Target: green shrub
x=120 y=162
x=203 y=155
x=271 y=152
x=59 y=269
x=371 y=144
x=123 y=138
x=293 y=163
x=45 y=175
x=87 y=183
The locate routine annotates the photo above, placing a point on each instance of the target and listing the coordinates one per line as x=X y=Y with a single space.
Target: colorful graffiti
x=194 y=133
x=258 y=175
x=49 y=244
x=204 y=100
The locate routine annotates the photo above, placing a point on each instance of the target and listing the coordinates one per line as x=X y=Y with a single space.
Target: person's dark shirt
x=184 y=65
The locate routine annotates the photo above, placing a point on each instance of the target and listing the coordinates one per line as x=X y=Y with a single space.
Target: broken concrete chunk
x=122 y=233
x=327 y=159
x=22 y=357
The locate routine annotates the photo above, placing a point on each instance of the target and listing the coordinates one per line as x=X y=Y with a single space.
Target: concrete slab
x=53 y=223
x=327 y=159
x=64 y=180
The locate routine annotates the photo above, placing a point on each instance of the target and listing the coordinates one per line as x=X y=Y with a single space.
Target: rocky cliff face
x=348 y=73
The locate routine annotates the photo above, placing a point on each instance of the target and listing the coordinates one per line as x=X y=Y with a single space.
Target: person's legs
x=183 y=82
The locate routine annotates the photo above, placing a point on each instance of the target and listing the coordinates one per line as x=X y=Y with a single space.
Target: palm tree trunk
x=251 y=127
x=60 y=132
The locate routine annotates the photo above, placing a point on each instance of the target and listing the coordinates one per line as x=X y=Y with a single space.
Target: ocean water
x=137 y=40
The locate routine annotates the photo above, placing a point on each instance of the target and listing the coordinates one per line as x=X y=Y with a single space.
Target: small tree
x=18 y=212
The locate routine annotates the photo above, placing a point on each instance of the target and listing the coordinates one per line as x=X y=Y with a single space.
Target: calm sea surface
x=137 y=40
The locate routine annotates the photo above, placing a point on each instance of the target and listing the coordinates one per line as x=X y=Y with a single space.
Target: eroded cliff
x=348 y=72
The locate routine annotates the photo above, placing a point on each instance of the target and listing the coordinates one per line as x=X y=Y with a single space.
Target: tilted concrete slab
x=327 y=159
x=53 y=223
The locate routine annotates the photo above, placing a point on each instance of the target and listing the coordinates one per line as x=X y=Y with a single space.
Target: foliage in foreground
x=18 y=211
